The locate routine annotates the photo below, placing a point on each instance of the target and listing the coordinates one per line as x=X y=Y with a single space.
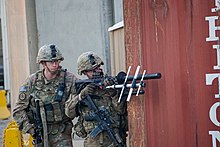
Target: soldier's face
x=95 y=73
x=89 y=74
x=53 y=66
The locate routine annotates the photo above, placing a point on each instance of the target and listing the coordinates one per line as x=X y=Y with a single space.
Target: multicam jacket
x=38 y=86
x=103 y=99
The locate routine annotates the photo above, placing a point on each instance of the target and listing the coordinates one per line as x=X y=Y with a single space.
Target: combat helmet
x=88 y=61
x=49 y=52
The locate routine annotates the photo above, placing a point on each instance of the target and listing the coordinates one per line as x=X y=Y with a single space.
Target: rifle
x=38 y=134
x=123 y=80
x=102 y=116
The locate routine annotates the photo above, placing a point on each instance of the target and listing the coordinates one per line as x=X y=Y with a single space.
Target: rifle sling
x=44 y=123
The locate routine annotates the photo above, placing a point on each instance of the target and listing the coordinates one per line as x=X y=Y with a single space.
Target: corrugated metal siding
x=168 y=36
x=136 y=108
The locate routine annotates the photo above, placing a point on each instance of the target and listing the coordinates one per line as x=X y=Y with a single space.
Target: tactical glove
x=88 y=90
x=108 y=81
x=31 y=132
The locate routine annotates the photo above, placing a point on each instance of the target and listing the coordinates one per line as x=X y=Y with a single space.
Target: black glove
x=108 y=81
x=88 y=90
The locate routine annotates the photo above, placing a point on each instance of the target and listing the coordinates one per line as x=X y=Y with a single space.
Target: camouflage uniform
x=103 y=98
x=59 y=126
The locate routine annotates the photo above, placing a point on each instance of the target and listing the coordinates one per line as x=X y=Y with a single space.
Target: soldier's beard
x=97 y=74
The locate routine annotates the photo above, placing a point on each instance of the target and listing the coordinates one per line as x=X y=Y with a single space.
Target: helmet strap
x=52 y=73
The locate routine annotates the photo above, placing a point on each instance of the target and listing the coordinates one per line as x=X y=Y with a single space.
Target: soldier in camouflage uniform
x=51 y=87
x=89 y=64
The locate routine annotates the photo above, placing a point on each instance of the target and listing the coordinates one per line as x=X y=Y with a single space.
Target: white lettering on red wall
x=210 y=77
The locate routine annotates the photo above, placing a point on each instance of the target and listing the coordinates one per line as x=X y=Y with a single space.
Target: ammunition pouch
x=60 y=127
x=54 y=113
x=80 y=130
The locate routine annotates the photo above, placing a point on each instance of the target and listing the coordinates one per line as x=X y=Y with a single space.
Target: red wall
x=169 y=36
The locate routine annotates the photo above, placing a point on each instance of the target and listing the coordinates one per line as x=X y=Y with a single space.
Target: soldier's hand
x=108 y=81
x=88 y=90
x=31 y=132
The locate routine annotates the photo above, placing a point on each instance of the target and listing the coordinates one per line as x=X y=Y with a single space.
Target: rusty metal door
x=179 y=39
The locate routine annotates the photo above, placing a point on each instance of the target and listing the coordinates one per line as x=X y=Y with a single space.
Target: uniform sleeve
x=19 y=112
x=121 y=107
x=70 y=105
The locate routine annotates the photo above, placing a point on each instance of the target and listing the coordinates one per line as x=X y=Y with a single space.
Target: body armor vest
x=46 y=91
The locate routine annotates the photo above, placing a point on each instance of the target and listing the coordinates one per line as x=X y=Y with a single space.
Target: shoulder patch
x=23 y=89
x=22 y=96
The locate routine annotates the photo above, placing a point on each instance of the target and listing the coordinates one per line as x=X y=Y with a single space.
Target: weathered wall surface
x=169 y=37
